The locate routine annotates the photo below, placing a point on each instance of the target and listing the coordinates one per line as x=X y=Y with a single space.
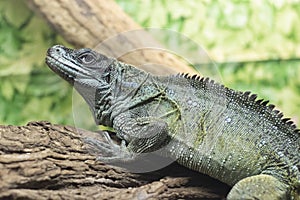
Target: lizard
x=205 y=126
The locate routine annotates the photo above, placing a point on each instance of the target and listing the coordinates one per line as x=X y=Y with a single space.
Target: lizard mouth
x=54 y=66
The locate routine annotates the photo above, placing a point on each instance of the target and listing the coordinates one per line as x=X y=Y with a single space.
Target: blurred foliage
x=232 y=31
x=28 y=90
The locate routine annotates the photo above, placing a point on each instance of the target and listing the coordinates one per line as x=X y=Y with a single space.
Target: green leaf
x=7 y=89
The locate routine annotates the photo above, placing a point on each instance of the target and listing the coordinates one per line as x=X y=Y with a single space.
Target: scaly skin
x=205 y=126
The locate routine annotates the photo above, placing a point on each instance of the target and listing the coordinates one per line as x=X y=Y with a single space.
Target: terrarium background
x=255 y=44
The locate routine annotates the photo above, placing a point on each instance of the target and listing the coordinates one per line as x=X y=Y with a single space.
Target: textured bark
x=45 y=161
x=95 y=23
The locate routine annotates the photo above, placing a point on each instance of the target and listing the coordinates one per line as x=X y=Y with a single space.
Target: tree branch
x=42 y=161
x=90 y=23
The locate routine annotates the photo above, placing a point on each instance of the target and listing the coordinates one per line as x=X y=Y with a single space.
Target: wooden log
x=96 y=24
x=46 y=161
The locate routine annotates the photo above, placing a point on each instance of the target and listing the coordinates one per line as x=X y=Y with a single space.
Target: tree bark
x=45 y=161
x=91 y=23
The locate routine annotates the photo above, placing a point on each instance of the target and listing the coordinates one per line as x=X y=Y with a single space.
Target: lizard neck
x=126 y=81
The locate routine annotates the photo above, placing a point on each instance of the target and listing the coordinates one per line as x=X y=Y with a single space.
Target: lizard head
x=89 y=72
x=83 y=66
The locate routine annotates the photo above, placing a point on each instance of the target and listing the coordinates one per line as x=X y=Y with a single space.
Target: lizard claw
x=108 y=151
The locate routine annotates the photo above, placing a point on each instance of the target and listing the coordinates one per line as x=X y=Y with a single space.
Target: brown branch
x=42 y=161
x=88 y=23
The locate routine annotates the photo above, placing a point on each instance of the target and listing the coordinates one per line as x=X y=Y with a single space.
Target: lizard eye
x=87 y=58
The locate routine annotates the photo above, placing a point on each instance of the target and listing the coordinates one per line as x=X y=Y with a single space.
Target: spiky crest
x=247 y=99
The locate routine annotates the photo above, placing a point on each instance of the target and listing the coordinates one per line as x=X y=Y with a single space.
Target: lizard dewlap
x=205 y=126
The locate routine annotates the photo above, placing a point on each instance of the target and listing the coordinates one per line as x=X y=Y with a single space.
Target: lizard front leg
x=137 y=134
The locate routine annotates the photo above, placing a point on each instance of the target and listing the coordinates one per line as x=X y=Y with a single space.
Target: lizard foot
x=262 y=187
x=108 y=151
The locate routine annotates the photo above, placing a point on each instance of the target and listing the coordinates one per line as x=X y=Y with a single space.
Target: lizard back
x=230 y=134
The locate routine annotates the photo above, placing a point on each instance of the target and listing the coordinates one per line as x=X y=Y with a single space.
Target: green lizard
x=205 y=126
